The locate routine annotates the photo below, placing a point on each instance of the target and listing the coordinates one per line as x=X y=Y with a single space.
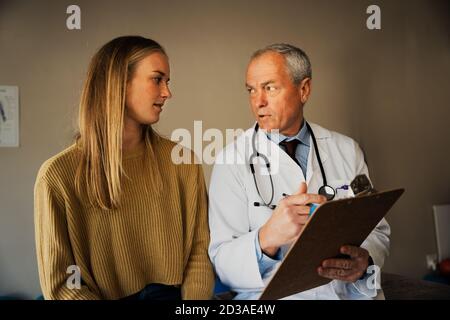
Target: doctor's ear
x=304 y=88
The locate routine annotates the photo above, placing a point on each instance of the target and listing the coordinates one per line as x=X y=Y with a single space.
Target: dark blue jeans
x=157 y=291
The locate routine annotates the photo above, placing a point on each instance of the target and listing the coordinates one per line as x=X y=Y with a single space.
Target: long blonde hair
x=101 y=120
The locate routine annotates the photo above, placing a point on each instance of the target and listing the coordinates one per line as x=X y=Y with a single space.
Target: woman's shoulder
x=173 y=150
x=178 y=155
x=165 y=143
x=65 y=162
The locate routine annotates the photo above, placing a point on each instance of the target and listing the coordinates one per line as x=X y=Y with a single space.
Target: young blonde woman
x=113 y=208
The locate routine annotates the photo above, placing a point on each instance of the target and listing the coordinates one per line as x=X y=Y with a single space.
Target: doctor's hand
x=287 y=220
x=349 y=270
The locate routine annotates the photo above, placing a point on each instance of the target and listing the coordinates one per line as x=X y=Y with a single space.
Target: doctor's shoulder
x=235 y=152
x=343 y=143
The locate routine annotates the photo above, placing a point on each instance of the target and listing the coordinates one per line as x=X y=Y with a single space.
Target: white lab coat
x=234 y=220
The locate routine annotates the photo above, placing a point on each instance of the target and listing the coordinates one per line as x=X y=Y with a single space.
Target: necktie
x=291 y=147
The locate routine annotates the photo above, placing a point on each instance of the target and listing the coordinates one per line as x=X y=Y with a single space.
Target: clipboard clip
x=361 y=186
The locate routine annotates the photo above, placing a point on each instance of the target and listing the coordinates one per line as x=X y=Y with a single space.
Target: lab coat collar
x=278 y=158
x=321 y=135
x=303 y=135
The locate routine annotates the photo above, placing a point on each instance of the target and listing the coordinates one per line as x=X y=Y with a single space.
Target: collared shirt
x=302 y=151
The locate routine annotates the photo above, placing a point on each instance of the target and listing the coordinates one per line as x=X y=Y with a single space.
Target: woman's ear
x=304 y=89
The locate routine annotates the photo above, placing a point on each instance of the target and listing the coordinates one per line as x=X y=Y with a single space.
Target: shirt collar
x=302 y=135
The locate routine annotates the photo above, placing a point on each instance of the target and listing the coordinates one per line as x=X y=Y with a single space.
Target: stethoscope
x=324 y=190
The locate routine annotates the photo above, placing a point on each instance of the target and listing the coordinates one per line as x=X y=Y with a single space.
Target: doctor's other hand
x=349 y=270
x=287 y=220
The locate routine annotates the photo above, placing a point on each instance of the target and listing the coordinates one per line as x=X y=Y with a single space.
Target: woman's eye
x=157 y=80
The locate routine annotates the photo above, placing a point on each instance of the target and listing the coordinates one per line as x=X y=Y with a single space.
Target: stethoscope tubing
x=256 y=154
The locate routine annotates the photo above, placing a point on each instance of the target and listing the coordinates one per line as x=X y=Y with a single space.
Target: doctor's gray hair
x=297 y=61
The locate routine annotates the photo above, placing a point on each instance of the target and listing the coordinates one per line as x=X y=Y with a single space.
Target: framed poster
x=9 y=116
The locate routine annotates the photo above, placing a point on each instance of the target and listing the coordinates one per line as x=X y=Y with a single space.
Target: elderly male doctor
x=252 y=221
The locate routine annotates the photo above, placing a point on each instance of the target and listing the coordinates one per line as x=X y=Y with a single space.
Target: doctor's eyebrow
x=262 y=84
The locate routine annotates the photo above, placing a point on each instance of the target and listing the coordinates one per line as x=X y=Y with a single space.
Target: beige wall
x=387 y=89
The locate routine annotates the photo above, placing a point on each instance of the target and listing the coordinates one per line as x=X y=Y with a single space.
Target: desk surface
x=397 y=287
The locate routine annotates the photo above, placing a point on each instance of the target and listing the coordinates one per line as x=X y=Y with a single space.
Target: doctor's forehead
x=266 y=67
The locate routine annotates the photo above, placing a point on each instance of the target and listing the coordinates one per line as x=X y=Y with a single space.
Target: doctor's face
x=276 y=101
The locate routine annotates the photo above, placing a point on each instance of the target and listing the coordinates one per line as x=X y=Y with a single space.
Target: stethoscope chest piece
x=327 y=191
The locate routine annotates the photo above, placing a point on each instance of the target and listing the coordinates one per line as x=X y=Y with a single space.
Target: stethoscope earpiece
x=259 y=204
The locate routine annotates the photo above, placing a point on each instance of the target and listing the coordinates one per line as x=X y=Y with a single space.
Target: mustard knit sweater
x=151 y=238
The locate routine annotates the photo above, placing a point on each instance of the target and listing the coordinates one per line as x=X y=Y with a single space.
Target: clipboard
x=335 y=223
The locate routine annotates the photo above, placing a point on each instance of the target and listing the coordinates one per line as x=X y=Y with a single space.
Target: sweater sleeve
x=198 y=280
x=54 y=252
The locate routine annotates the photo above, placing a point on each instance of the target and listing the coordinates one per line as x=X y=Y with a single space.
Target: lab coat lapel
x=313 y=174
x=277 y=157
x=286 y=174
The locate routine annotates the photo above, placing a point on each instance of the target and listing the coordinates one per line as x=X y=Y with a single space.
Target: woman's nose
x=165 y=91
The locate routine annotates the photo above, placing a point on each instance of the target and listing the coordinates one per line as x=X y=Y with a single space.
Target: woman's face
x=148 y=90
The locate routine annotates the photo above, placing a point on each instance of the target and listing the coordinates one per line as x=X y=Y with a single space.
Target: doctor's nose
x=260 y=99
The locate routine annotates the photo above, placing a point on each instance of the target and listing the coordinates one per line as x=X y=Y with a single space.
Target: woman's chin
x=149 y=121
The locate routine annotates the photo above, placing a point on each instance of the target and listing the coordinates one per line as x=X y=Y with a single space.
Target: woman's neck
x=132 y=137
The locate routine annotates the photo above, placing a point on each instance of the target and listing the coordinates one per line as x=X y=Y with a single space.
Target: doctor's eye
x=250 y=90
x=270 y=88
